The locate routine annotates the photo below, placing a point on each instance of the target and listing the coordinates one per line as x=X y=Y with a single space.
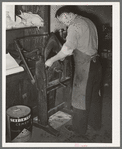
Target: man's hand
x=49 y=63
x=59 y=56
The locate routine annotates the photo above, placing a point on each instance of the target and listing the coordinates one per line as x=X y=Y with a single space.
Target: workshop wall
x=11 y=11
x=103 y=13
x=100 y=14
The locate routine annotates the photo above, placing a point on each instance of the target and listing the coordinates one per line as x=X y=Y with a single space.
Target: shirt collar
x=73 y=20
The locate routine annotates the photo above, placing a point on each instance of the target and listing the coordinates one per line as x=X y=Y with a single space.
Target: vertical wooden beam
x=42 y=94
x=47 y=19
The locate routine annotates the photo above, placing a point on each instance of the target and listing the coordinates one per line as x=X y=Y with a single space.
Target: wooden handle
x=26 y=66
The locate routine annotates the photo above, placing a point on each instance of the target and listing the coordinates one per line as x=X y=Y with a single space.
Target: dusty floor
x=102 y=136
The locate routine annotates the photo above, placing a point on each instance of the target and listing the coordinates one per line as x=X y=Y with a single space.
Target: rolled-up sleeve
x=71 y=41
x=66 y=50
x=72 y=37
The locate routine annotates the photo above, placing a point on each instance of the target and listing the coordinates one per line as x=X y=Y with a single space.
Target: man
x=82 y=42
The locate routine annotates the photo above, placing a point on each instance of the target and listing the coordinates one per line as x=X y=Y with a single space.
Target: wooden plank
x=42 y=94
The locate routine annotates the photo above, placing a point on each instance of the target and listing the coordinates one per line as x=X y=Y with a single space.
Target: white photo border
x=115 y=77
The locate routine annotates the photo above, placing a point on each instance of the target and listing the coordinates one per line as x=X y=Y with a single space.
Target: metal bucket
x=19 y=123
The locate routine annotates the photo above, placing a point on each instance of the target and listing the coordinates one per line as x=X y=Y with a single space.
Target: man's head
x=66 y=14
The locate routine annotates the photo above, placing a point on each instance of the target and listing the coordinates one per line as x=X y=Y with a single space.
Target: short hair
x=66 y=9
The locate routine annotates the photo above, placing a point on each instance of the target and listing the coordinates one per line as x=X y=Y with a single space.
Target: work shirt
x=82 y=35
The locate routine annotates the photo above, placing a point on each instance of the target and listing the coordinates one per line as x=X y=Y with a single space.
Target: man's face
x=65 y=18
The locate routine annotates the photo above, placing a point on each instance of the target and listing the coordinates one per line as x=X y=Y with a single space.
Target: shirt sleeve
x=66 y=50
x=72 y=37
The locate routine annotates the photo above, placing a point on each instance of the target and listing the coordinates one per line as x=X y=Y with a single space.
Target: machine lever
x=57 y=70
x=26 y=66
x=62 y=84
x=60 y=75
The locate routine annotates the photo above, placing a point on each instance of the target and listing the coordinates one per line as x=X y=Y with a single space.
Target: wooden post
x=42 y=95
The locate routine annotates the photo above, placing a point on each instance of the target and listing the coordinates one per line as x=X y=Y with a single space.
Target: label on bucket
x=20 y=120
x=20 y=128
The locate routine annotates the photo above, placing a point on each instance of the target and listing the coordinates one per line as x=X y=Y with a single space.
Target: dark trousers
x=92 y=114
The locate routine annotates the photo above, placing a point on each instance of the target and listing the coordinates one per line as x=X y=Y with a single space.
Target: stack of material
x=12 y=66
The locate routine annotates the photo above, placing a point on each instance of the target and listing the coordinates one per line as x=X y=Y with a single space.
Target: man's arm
x=65 y=51
x=57 y=57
